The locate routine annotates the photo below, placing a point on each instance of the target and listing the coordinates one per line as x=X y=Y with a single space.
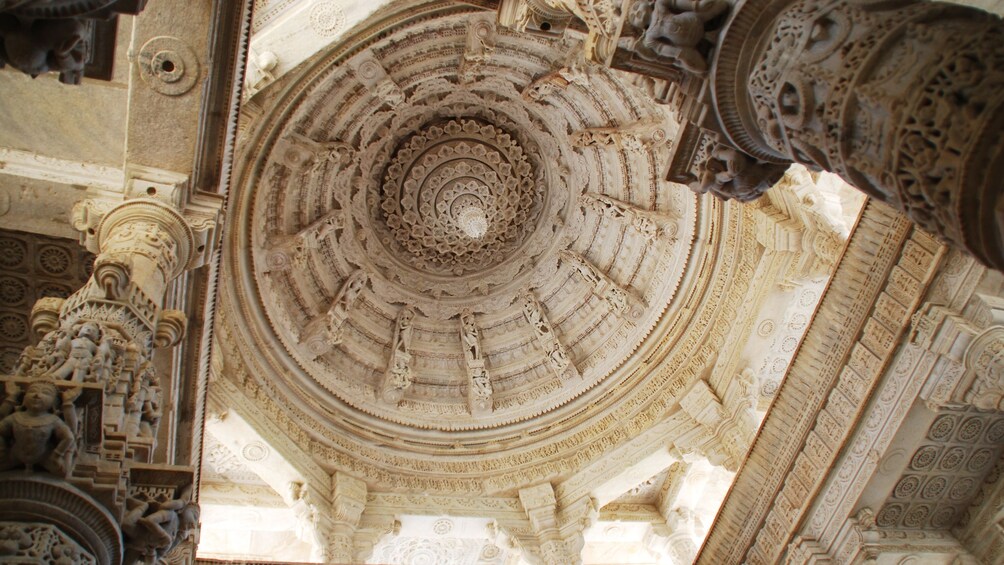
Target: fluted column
x=80 y=414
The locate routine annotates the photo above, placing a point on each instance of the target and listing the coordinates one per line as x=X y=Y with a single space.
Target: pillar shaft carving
x=904 y=100
x=84 y=404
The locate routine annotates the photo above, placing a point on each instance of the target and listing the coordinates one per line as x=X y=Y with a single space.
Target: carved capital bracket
x=348 y=501
x=559 y=534
x=636 y=136
x=724 y=432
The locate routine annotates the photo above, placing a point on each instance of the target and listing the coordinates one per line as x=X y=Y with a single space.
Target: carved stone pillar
x=903 y=99
x=79 y=418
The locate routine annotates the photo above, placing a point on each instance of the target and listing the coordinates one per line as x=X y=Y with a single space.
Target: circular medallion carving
x=12 y=291
x=442 y=526
x=907 y=487
x=326 y=18
x=963 y=489
x=942 y=428
x=979 y=460
x=934 y=488
x=952 y=458
x=458 y=197
x=944 y=517
x=490 y=551
x=916 y=515
x=765 y=328
x=255 y=451
x=996 y=431
x=12 y=252
x=971 y=429
x=53 y=260
x=889 y=515
x=13 y=327
x=168 y=65
x=924 y=458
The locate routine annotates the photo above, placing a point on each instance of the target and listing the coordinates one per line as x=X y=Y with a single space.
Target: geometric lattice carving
x=33 y=267
x=945 y=472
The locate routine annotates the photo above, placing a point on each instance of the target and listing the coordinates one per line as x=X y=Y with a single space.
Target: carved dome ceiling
x=398 y=176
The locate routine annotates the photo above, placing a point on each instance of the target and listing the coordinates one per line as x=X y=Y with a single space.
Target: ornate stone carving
x=557 y=356
x=35 y=435
x=168 y=65
x=729 y=173
x=479 y=387
x=635 y=136
x=155 y=522
x=40 y=543
x=398 y=377
x=574 y=73
x=620 y=301
x=681 y=31
x=347 y=506
x=479 y=48
x=874 y=94
x=985 y=358
x=651 y=225
x=370 y=72
x=325 y=331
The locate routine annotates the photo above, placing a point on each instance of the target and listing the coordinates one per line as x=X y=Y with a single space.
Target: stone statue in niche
x=676 y=30
x=730 y=173
x=35 y=47
x=153 y=528
x=35 y=435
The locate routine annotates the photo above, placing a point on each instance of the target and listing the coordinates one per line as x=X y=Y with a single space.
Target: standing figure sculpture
x=675 y=30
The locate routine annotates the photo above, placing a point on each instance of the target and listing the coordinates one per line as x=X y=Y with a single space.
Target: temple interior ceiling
x=458 y=314
x=458 y=272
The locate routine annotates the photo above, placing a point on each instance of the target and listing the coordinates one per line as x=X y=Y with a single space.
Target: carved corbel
x=573 y=72
x=724 y=433
x=651 y=225
x=604 y=20
x=325 y=331
x=371 y=74
x=541 y=508
x=558 y=358
x=398 y=377
x=479 y=386
x=636 y=136
x=478 y=49
x=298 y=152
x=621 y=302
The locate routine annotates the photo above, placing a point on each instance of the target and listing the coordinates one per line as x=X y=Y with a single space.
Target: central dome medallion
x=459 y=196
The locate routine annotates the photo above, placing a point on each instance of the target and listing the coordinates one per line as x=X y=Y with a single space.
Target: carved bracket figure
x=152 y=527
x=681 y=31
x=398 y=377
x=729 y=173
x=557 y=356
x=479 y=387
x=325 y=331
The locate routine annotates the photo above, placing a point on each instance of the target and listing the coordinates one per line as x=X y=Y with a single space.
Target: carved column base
x=35 y=501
